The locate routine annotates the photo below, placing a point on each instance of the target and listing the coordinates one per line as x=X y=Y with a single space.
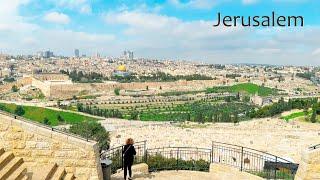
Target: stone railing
x=40 y=145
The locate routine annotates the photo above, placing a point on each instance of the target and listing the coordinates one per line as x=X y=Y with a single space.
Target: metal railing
x=253 y=161
x=314 y=147
x=178 y=158
x=116 y=155
x=199 y=159
x=22 y=119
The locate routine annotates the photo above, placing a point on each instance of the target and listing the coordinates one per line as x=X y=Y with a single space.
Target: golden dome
x=122 y=68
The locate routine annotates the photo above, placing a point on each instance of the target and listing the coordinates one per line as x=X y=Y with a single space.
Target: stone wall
x=52 y=76
x=43 y=86
x=67 y=91
x=20 y=82
x=309 y=167
x=40 y=146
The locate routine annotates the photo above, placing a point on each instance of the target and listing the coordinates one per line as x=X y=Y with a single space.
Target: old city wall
x=50 y=77
x=20 y=82
x=309 y=167
x=43 y=86
x=39 y=146
x=67 y=91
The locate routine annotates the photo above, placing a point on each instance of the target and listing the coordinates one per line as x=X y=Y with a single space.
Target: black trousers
x=127 y=167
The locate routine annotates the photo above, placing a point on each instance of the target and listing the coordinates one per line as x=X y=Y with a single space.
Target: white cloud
x=249 y=2
x=316 y=52
x=197 y=4
x=18 y=36
x=86 y=9
x=83 y=6
x=154 y=35
x=160 y=36
x=58 y=18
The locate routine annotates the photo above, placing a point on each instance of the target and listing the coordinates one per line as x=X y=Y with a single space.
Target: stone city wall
x=43 y=86
x=51 y=77
x=20 y=82
x=68 y=90
x=40 y=146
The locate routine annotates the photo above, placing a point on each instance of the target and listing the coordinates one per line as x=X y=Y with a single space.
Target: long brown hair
x=129 y=141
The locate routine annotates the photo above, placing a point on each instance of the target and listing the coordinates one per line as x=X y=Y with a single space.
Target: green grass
x=179 y=93
x=295 y=115
x=38 y=114
x=247 y=88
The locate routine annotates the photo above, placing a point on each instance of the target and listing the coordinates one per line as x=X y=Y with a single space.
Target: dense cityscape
x=161 y=90
x=134 y=97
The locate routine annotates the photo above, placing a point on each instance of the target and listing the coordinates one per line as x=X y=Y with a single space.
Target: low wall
x=309 y=167
x=40 y=146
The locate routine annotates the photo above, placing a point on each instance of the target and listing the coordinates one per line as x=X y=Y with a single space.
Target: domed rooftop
x=122 y=68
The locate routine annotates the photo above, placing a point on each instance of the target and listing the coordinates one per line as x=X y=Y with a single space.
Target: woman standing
x=128 y=156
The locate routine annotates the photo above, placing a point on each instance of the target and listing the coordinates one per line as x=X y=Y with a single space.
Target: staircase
x=53 y=172
x=13 y=168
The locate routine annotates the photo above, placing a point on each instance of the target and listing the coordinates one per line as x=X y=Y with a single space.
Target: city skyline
x=167 y=29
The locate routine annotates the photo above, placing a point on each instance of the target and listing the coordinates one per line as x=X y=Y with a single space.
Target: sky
x=161 y=29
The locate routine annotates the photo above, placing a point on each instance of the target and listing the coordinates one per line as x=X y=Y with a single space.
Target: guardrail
x=116 y=156
x=253 y=161
x=179 y=158
x=199 y=159
x=314 y=147
x=19 y=118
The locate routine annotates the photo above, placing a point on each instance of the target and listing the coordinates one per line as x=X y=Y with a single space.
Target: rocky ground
x=271 y=135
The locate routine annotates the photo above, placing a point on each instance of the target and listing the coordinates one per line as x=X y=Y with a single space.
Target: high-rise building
x=76 y=53
x=128 y=55
x=48 y=54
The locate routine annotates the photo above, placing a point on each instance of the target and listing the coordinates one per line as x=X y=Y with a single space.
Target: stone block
x=141 y=168
x=42 y=153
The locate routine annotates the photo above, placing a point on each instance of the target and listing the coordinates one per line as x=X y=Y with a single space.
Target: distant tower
x=48 y=54
x=76 y=53
x=128 y=55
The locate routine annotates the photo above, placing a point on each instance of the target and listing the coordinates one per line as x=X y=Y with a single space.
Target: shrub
x=117 y=91
x=14 y=88
x=92 y=130
x=19 y=111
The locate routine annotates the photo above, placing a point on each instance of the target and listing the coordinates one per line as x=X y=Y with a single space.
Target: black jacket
x=128 y=153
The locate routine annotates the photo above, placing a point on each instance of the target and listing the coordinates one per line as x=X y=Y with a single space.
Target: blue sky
x=161 y=29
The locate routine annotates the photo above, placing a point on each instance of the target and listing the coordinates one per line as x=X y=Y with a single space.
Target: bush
x=46 y=121
x=159 y=162
x=117 y=91
x=19 y=111
x=14 y=88
x=92 y=130
x=60 y=118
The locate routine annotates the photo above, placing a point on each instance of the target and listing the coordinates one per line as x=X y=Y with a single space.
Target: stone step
x=45 y=172
x=25 y=177
x=12 y=166
x=1 y=151
x=69 y=177
x=19 y=173
x=59 y=173
x=49 y=172
x=5 y=158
